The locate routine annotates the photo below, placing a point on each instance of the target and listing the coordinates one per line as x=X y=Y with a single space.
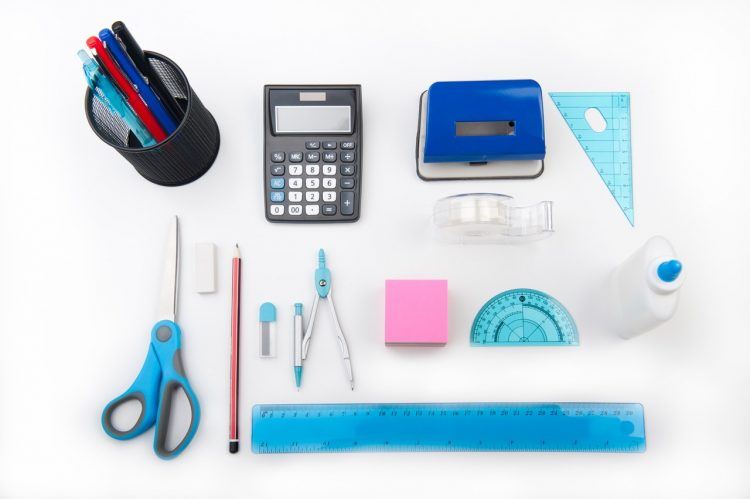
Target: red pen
x=135 y=101
x=234 y=363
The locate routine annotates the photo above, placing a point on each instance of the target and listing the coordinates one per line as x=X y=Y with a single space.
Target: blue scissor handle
x=145 y=389
x=166 y=341
x=160 y=377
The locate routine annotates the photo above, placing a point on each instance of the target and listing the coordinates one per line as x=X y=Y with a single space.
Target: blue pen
x=298 y=344
x=112 y=99
x=112 y=45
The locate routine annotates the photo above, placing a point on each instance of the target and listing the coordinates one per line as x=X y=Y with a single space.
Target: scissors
x=162 y=374
x=323 y=290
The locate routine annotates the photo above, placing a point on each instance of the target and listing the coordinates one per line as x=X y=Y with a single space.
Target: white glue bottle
x=646 y=288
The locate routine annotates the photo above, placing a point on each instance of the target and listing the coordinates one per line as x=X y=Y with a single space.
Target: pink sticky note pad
x=416 y=312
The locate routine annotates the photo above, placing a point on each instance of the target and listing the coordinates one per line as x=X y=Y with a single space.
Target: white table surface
x=82 y=235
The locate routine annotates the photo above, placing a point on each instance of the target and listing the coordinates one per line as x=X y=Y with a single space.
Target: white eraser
x=205 y=267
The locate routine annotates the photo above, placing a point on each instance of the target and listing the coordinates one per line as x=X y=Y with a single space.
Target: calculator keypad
x=315 y=179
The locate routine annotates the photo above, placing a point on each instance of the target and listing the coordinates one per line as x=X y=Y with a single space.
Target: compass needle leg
x=341 y=340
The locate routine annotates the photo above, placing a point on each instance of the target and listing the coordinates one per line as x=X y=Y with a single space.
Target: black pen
x=154 y=80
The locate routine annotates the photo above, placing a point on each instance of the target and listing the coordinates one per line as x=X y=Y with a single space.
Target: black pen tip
x=234 y=447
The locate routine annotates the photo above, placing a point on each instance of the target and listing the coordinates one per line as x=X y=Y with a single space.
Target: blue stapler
x=481 y=129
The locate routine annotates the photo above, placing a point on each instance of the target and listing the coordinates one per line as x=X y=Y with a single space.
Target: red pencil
x=234 y=433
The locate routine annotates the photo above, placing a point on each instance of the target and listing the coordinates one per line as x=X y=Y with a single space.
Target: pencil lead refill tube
x=267 y=318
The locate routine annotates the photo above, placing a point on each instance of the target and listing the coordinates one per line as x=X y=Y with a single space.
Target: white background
x=82 y=240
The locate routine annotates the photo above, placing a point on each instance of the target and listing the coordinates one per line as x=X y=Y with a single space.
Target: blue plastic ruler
x=459 y=427
x=608 y=150
x=523 y=317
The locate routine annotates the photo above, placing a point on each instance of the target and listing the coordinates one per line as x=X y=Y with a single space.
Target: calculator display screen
x=313 y=119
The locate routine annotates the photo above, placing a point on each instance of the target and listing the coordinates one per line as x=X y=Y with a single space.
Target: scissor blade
x=168 y=298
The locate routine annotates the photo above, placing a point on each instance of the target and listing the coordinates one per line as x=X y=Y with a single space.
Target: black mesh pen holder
x=184 y=155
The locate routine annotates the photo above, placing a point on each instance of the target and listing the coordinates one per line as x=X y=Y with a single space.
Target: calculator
x=312 y=157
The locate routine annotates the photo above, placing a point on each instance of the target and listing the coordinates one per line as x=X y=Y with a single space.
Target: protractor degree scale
x=524 y=317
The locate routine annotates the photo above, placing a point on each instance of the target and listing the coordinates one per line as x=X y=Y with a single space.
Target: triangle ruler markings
x=608 y=150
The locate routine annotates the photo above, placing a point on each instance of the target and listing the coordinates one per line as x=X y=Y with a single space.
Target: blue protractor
x=523 y=317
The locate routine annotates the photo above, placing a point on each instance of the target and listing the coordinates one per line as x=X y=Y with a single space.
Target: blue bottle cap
x=669 y=271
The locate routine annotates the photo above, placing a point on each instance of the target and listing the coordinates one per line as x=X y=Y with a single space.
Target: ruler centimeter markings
x=609 y=150
x=448 y=427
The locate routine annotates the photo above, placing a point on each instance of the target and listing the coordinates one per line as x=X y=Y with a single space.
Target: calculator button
x=328 y=196
x=277 y=196
x=329 y=157
x=349 y=144
x=312 y=157
x=277 y=209
x=347 y=170
x=277 y=170
x=295 y=170
x=329 y=169
x=278 y=157
x=347 y=157
x=277 y=183
x=329 y=144
x=312 y=196
x=312 y=169
x=312 y=210
x=312 y=144
x=295 y=183
x=295 y=210
x=295 y=157
x=312 y=183
x=295 y=196
x=347 y=183
x=329 y=183
x=329 y=209
x=347 y=203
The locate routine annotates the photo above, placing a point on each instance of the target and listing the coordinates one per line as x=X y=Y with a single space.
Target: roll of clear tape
x=488 y=218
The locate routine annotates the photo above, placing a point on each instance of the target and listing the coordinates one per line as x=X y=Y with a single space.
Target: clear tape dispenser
x=488 y=218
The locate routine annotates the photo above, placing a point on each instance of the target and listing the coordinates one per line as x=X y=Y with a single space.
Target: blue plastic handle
x=159 y=380
x=166 y=339
x=145 y=389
